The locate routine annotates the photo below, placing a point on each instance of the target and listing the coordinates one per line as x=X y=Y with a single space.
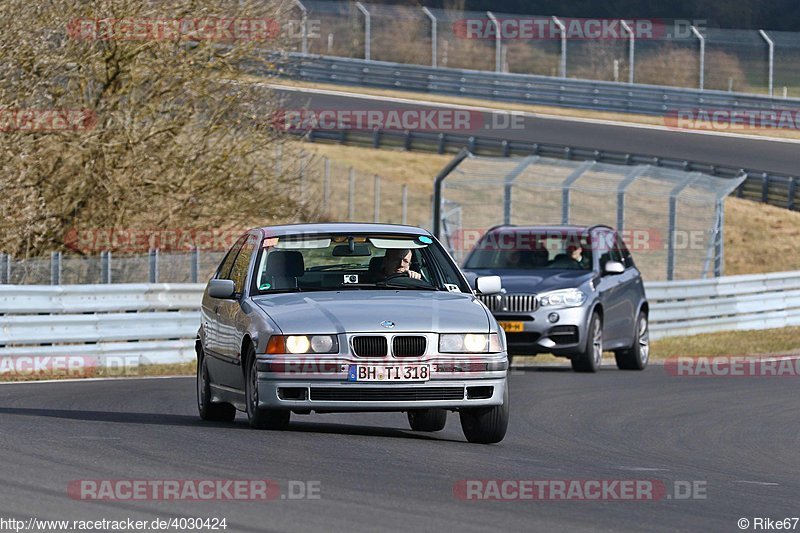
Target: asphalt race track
x=738 y=437
x=761 y=154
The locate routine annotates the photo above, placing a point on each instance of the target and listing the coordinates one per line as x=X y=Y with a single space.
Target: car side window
x=223 y=272
x=608 y=247
x=242 y=263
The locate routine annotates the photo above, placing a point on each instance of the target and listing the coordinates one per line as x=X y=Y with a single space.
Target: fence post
x=771 y=45
x=55 y=268
x=105 y=266
x=367 y=30
x=304 y=22
x=434 y=52
x=5 y=269
x=702 y=56
x=498 y=43
x=195 y=264
x=326 y=184
x=404 y=208
x=792 y=192
x=154 y=265
x=563 y=31
x=377 y=208
x=351 y=196
x=631 y=51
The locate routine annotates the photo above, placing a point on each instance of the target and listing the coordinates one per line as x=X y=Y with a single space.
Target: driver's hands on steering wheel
x=407 y=274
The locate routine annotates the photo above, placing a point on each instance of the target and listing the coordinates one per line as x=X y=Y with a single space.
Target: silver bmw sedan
x=350 y=317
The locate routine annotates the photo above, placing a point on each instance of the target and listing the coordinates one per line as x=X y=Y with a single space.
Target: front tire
x=216 y=412
x=257 y=417
x=591 y=357
x=486 y=425
x=636 y=357
x=427 y=419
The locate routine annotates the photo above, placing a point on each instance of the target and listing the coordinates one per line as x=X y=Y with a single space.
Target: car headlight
x=300 y=344
x=469 y=343
x=562 y=298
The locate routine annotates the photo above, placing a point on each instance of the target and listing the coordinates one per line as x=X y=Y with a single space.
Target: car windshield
x=354 y=262
x=532 y=250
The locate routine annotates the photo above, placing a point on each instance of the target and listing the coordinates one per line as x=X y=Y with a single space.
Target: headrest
x=285 y=264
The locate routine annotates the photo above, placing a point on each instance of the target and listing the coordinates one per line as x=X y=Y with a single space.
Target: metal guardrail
x=157 y=323
x=522 y=88
x=759 y=301
x=780 y=190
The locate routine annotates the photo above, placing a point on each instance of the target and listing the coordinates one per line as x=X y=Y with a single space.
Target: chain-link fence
x=183 y=255
x=681 y=53
x=671 y=220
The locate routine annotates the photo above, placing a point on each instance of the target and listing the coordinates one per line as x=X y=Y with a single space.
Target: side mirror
x=489 y=284
x=613 y=267
x=223 y=289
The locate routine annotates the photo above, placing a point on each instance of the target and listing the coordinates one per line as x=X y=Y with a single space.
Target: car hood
x=359 y=311
x=534 y=281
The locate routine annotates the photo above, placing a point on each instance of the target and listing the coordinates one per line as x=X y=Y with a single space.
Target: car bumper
x=540 y=335
x=322 y=385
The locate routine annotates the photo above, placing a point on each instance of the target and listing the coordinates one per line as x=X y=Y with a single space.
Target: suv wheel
x=590 y=358
x=217 y=412
x=427 y=419
x=261 y=418
x=486 y=425
x=635 y=357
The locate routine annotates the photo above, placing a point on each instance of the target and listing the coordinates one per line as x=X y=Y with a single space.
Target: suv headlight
x=469 y=343
x=562 y=298
x=300 y=344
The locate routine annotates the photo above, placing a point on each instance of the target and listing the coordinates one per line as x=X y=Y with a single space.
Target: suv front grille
x=510 y=303
x=409 y=346
x=370 y=346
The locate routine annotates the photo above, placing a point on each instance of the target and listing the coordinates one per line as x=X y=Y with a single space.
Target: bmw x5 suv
x=572 y=291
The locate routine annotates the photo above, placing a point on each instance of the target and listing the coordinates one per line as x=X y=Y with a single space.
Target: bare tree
x=146 y=127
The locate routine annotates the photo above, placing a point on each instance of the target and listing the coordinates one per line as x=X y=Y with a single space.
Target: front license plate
x=389 y=373
x=512 y=327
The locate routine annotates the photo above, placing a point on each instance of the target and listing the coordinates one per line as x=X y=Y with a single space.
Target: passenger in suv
x=571 y=291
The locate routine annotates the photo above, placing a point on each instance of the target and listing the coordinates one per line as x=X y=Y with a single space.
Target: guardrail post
x=702 y=56
x=55 y=268
x=367 y=30
x=504 y=148
x=326 y=184
x=631 y=51
x=195 y=264
x=351 y=196
x=563 y=31
x=764 y=187
x=304 y=22
x=376 y=138
x=377 y=208
x=440 y=146
x=407 y=141
x=5 y=269
x=498 y=43
x=792 y=192
x=404 y=204
x=434 y=52
x=105 y=266
x=771 y=45
x=153 y=265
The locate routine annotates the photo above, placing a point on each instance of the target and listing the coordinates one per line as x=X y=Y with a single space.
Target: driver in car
x=397 y=263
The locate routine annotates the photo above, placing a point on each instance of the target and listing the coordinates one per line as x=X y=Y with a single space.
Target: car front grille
x=370 y=346
x=409 y=346
x=386 y=394
x=510 y=303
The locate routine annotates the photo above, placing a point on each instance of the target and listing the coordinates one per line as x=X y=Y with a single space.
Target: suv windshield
x=532 y=250
x=353 y=262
